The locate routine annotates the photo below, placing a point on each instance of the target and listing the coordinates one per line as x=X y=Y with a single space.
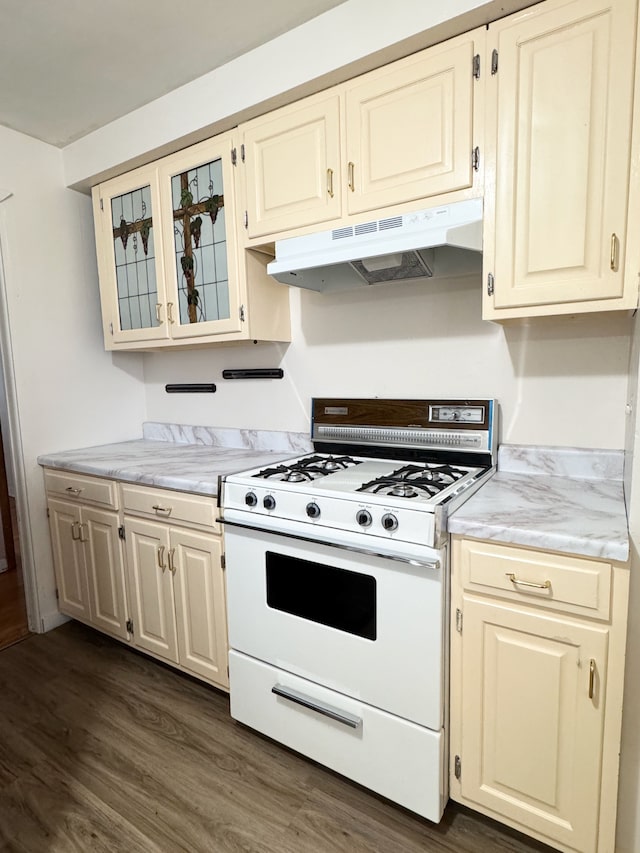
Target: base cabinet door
x=105 y=571
x=68 y=559
x=198 y=584
x=532 y=719
x=559 y=129
x=151 y=587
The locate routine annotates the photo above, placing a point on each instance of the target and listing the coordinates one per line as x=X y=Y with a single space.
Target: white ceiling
x=68 y=67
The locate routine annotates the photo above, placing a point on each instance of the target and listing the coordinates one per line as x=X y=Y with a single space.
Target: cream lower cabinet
x=176 y=581
x=560 y=136
x=537 y=660
x=87 y=552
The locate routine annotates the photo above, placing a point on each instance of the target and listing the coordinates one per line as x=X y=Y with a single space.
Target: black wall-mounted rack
x=254 y=373
x=190 y=388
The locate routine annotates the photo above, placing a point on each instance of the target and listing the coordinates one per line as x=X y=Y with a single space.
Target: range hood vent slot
x=443 y=242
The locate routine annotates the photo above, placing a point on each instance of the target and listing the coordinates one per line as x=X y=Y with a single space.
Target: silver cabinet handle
x=615 y=252
x=75 y=533
x=162 y=510
x=592 y=677
x=170 y=312
x=83 y=527
x=172 y=565
x=352 y=176
x=330 y=182
x=158 y=310
x=518 y=582
x=73 y=491
x=319 y=707
x=161 y=563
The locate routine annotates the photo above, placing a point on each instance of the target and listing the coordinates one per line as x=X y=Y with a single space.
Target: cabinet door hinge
x=476 y=66
x=121 y=531
x=111 y=327
x=234 y=157
x=490 y=284
x=246 y=219
x=48 y=513
x=457 y=767
x=101 y=204
x=223 y=561
x=242 y=152
x=57 y=594
x=475 y=158
x=459 y=620
x=242 y=313
x=494 y=61
x=129 y=626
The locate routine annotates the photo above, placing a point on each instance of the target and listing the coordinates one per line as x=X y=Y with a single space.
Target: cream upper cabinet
x=292 y=163
x=537 y=664
x=394 y=136
x=559 y=136
x=409 y=128
x=170 y=268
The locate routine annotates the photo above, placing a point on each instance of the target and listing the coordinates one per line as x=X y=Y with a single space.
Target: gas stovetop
x=396 y=481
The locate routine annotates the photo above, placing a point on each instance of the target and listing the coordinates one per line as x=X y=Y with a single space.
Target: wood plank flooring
x=103 y=749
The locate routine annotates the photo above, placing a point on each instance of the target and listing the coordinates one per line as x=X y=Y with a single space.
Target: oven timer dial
x=363 y=517
x=269 y=502
x=313 y=510
x=389 y=521
x=251 y=499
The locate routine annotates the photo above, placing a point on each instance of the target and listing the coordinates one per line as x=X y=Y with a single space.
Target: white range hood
x=441 y=242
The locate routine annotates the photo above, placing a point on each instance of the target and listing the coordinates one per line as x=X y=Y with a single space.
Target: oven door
x=369 y=627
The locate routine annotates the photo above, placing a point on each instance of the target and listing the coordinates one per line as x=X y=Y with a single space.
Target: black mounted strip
x=190 y=388
x=254 y=373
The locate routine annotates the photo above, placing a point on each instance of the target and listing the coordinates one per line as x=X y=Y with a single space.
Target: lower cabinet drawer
x=167 y=505
x=398 y=759
x=93 y=490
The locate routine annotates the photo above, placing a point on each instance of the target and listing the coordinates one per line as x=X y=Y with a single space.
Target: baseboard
x=51 y=621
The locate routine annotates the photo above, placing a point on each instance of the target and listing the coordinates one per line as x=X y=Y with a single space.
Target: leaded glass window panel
x=200 y=243
x=135 y=261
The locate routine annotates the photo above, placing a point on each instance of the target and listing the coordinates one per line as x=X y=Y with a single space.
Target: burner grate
x=411 y=481
x=309 y=468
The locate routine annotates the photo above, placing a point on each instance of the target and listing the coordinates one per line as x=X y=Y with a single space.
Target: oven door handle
x=369 y=552
x=319 y=707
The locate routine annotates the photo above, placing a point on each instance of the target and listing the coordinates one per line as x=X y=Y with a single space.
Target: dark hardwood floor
x=103 y=749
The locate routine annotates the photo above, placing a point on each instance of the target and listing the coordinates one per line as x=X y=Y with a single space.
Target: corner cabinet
x=394 y=136
x=171 y=272
x=560 y=138
x=537 y=663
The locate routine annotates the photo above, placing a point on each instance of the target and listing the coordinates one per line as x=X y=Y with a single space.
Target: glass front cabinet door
x=167 y=252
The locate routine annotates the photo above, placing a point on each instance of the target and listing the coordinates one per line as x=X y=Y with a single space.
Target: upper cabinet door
x=560 y=110
x=292 y=161
x=409 y=128
x=198 y=204
x=126 y=212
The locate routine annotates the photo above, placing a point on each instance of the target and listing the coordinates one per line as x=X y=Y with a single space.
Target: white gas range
x=337 y=583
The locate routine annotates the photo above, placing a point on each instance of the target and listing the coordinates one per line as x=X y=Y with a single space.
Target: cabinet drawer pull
x=172 y=565
x=161 y=563
x=73 y=491
x=592 y=677
x=330 y=182
x=162 y=510
x=515 y=580
x=615 y=252
x=352 y=177
x=158 y=310
x=319 y=707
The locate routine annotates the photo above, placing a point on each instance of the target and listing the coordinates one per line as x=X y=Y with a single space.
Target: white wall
x=70 y=392
x=561 y=381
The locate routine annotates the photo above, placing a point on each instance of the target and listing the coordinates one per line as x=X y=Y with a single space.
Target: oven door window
x=335 y=597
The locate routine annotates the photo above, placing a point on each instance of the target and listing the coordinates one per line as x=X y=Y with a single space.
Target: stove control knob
x=313 y=510
x=389 y=521
x=250 y=499
x=363 y=518
x=269 y=502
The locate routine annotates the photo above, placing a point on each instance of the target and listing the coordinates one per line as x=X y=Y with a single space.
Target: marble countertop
x=189 y=459
x=551 y=498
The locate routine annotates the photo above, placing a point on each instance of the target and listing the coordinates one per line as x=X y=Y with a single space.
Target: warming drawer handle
x=319 y=707
x=518 y=582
